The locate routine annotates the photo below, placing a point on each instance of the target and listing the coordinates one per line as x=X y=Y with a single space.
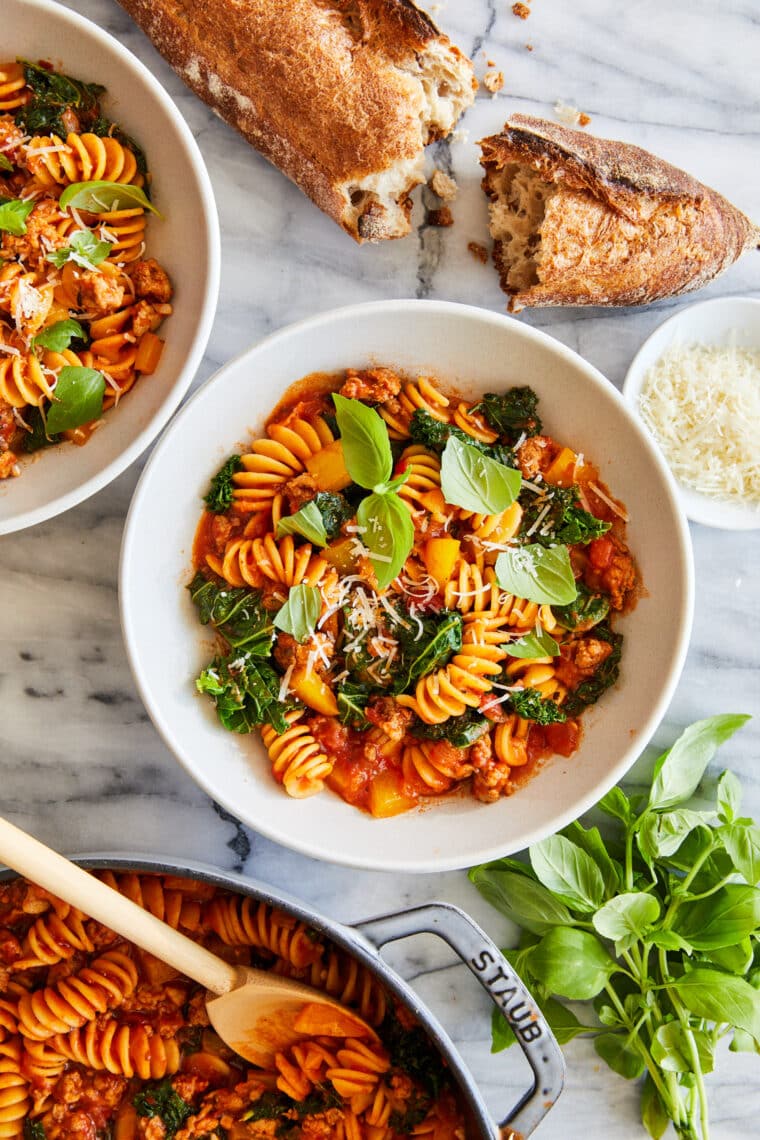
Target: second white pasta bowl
x=469 y=351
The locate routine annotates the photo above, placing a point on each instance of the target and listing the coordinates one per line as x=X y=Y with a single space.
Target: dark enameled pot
x=364 y=941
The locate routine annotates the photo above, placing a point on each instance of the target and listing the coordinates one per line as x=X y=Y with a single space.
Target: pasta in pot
x=80 y=302
x=412 y=593
x=147 y=1064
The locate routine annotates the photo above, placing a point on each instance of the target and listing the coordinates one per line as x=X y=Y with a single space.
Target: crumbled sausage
x=375 y=385
x=535 y=455
x=151 y=281
x=40 y=238
x=97 y=293
x=299 y=490
x=144 y=318
x=389 y=716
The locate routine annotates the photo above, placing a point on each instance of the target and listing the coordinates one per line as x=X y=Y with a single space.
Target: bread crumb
x=490 y=63
x=493 y=81
x=521 y=10
x=571 y=116
x=441 y=217
x=478 y=251
x=445 y=187
x=529 y=47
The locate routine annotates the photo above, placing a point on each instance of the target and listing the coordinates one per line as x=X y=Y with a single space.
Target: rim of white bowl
x=57 y=506
x=431 y=864
x=720 y=514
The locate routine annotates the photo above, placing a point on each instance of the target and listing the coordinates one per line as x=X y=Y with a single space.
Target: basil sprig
x=13 y=215
x=537 y=573
x=366 y=447
x=5 y=162
x=388 y=534
x=58 y=337
x=307 y=522
x=658 y=925
x=78 y=399
x=300 y=613
x=84 y=249
x=475 y=482
x=102 y=197
x=537 y=643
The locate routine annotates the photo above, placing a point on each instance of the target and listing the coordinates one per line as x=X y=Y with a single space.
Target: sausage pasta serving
x=99 y=1039
x=79 y=301
x=412 y=593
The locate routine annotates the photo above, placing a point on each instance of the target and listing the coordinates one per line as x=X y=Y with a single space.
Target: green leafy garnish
x=101 y=197
x=163 y=1102
x=434 y=434
x=300 y=613
x=589 y=691
x=53 y=94
x=78 y=399
x=5 y=162
x=655 y=926
x=460 y=731
x=388 y=534
x=276 y=1105
x=34 y=1130
x=13 y=215
x=587 y=610
x=565 y=522
x=511 y=413
x=537 y=643
x=537 y=573
x=38 y=437
x=352 y=698
x=366 y=446
x=423 y=650
x=307 y=522
x=245 y=690
x=412 y=1051
x=84 y=248
x=335 y=510
x=220 y=493
x=530 y=705
x=237 y=614
x=475 y=482
x=57 y=337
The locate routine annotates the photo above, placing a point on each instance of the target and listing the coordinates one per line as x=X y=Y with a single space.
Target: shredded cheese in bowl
x=702 y=404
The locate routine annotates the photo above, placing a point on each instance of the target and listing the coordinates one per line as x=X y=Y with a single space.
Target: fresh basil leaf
x=562 y=1021
x=721 y=998
x=521 y=898
x=78 y=399
x=392 y=484
x=667 y=940
x=307 y=522
x=736 y=959
x=617 y=805
x=571 y=962
x=5 y=162
x=84 y=249
x=366 y=446
x=654 y=1115
x=590 y=841
x=678 y=771
x=568 y=872
x=388 y=534
x=616 y=1049
x=102 y=197
x=13 y=215
x=58 y=337
x=660 y=835
x=300 y=613
x=725 y=918
x=537 y=643
x=537 y=573
x=729 y=797
x=474 y=482
x=626 y=918
x=671 y=1050
x=742 y=842
x=502 y=1033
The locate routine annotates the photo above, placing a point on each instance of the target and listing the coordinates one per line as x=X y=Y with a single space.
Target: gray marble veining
x=82 y=766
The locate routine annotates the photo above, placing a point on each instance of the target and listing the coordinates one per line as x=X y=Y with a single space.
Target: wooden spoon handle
x=37 y=862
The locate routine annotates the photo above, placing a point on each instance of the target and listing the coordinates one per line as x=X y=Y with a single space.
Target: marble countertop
x=82 y=766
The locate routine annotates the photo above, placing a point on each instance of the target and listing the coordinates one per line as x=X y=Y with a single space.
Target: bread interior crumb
x=516 y=216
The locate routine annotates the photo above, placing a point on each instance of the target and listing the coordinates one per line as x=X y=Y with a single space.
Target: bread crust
x=621 y=226
x=330 y=91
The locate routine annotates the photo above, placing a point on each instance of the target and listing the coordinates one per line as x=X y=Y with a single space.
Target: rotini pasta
x=73 y=1001
x=74 y=280
x=466 y=662
x=111 y=1075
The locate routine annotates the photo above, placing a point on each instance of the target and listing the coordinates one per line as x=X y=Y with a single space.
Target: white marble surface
x=82 y=766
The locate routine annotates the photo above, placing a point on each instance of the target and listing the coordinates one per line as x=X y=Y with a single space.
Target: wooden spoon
x=255 y=1012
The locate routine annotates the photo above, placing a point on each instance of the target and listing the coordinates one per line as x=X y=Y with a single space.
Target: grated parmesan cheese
x=702 y=404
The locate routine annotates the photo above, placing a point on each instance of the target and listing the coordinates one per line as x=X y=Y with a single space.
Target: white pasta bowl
x=471 y=351
x=724 y=322
x=185 y=240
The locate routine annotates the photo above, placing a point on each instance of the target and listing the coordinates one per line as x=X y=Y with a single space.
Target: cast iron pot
x=364 y=941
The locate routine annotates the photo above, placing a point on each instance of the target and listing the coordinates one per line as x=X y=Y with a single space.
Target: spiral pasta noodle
x=298 y=761
x=79 y=998
x=129 y=1050
x=80 y=158
x=420 y=394
x=14 y=1091
x=13 y=89
x=273 y=461
x=243 y=922
x=54 y=937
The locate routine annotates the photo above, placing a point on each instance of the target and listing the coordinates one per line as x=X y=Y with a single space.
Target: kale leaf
x=587 y=610
x=412 y=1051
x=422 y=651
x=277 y=1105
x=566 y=522
x=37 y=437
x=335 y=510
x=245 y=690
x=512 y=412
x=589 y=691
x=34 y=1130
x=352 y=700
x=460 y=731
x=219 y=497
x=417 y=1108
x=162 y=1101
x=236 y=613
x=530 y=705
x=431 y=433
x=52 y=94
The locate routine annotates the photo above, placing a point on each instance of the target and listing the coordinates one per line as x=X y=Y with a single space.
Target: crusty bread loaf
x=578 y=220
x=341 y=95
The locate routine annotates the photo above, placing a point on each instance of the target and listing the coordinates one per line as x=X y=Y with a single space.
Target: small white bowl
x=723 y=321
x=185 y=241
x=472 y=351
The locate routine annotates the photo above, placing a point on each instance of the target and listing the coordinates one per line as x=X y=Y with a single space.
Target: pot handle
x=505 y=989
